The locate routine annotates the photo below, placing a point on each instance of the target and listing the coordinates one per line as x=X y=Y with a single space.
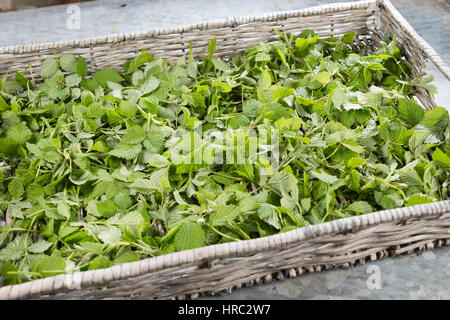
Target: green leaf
x=72 y=80
x=222 y=87
x=12 y=86
x=323 y=77
x=81 y=67
x=40 y=246
x=279 y=93
x=128 y=222
x=323 y=176
x=76 y=237
x=280 y=50
x=190 y=235
x=68 y=63
x=267 y=214
x=348 y=38
x=35 y=150
x=110 y=235
x=238 y=122
x=129 y=256
x=123 y=201
x=301 y=44
x=107 y=74
x=410 y=176
x=159 y=180
x=367 y=74
x=26 y=83
x=355 y=162
x=132 y=65
x=149 y=85
x=222 y=214
x=284 y=183
x=410 y=112
x=34 y=191
x=128 y=108
x=3 y=105
x=8 y=146
x=221 y=65
x=51 y=266
x=395 y=132
x=63 y=209
x=100 y=146
x=424 y=82
x=247 y=204
x=389 y=199
x=15 y=188
x=106 y=208
x=85 y=176
x=354 y=146
x=338 y=98
x=265 y=80
x=19 y=133
x=192 y=69
x=126 y=151
x=154 y=141
x=49 y=67
x=101 y=262
x=90 y=84
x=441 y=159
x=15 y=249
x=306 y=203
x=262 y=56
x=275 y=111
x=360 y=207
x=158 y=161
x=93 y=247
x=66 y=230
x=8 y=272
x=418 y=199
x=375 y=66
x=212 y=46
x=433 y=125
x=436 y=117
x=134 y=135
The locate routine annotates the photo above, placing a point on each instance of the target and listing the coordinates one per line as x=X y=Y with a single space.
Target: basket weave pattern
x=215 y=268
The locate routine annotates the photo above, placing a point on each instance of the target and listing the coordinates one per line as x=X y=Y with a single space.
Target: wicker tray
x=223 y=267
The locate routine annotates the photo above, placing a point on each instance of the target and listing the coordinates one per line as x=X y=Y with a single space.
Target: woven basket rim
x=234 y=21
x=80 y=280
x=209 y=24
x=102 y=277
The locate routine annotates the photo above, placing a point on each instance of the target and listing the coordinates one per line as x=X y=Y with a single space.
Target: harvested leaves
x=91 y=175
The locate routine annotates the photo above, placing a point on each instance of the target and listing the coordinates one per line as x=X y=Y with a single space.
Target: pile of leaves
x=88 y=178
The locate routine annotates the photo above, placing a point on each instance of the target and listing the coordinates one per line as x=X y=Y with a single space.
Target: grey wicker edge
x=418 y=40
x=233 y=21
x=87 y=280
x=212 y=24
x=101 y=278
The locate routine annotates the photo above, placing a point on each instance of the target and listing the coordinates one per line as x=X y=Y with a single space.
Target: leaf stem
x=239 y=230
x=222 y=234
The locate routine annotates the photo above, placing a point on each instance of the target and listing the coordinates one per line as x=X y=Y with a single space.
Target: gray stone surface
x=413 y=276
x=425 y=276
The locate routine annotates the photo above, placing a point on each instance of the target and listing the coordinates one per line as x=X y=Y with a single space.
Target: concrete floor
x=424 y=276
x=413 y=276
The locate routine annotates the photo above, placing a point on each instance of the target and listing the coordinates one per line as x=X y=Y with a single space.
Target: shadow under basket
x=227 y=266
